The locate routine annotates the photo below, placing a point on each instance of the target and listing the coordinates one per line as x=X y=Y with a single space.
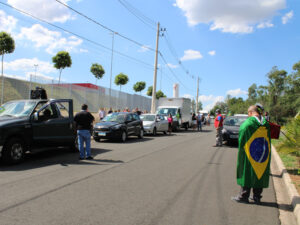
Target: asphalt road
x=167 y=180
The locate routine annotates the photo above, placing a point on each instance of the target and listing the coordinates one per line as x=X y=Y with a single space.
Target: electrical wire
x=77 y=35
x=138 y=14
x=174 y=73
x=105 y=27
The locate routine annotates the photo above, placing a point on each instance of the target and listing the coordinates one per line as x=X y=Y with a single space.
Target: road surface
x=163 y=180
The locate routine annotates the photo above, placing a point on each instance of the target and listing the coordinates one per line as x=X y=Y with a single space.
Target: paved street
x=166 y=180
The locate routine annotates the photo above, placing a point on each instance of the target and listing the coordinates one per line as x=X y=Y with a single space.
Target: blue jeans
x=199 y=126
x=84 y=136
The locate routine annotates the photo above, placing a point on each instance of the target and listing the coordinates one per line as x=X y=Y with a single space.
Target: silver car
x=154 y=123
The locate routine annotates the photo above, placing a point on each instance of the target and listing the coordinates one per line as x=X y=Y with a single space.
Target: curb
x=293 y=195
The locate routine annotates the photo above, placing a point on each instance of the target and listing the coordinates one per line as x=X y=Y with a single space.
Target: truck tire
x=13 y=151
x=186 y=126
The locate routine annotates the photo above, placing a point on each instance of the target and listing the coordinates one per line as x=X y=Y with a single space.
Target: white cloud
x=83 y=50
x=51 y=11
x=287 y=17
x=7 y=23
x=212 y=53
x=188 y=96
x=233 y=16
x=51 y=40
x=172 y=65
x=144 y=48
x=266 y=24
x=191 y=55
x=209 y=101
x=27 y=65
x=236 y=92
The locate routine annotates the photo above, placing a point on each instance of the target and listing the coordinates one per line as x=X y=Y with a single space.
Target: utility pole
x=111 y=65
x=197 y=95
x=153 y=103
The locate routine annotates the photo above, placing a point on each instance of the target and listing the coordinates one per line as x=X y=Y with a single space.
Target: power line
x=173 y=52
x=105 y=27
x=173 y=72
x=138 y=14
x=77 y=35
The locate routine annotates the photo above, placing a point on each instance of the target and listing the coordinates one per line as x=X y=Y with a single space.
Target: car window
x=129 y=118
x=17 y=108
x=136 y=117
x=62 y=109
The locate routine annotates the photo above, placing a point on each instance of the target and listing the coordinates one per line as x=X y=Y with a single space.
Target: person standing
x=101 y=113
x=219 y=128
x=110 y=110
x=199 y=122
x=194 y=121
x=254 y=156
x=83 y=121
x=170 y=122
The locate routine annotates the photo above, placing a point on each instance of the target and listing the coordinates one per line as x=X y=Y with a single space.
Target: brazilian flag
x=254 y=156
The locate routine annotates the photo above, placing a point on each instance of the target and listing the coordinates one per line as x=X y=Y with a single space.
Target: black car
x=33 y=125
x=118 y=126
x=231 y=128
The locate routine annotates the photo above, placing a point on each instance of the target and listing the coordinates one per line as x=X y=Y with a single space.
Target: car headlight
x=116 y=127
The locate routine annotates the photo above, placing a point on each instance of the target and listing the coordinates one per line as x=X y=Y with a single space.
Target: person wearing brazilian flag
x=254 y=155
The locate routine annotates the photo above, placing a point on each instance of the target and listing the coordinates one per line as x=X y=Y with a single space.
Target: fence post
x=70 y=90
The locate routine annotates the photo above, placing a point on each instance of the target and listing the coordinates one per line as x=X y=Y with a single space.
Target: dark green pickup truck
x=32 y=125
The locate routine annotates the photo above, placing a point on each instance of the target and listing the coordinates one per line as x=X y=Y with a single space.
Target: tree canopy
x=97 y=70
x=149 y=90
x=121 y=79
x=280 y=97
x=61 y=61
x=139 y=86
x=160 y=94
x=7 y=43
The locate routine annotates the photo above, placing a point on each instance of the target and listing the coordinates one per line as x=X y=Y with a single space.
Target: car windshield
x=17 y=109
x=147 y=117
x=115 y=117
x=167 y=111
x=234 y=121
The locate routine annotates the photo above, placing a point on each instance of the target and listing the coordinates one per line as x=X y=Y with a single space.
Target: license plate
x=234 y=136
x=101 y=134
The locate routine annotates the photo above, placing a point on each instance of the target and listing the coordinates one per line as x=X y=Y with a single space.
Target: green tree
x=139 y=86
x=61 y=61
x=7 y=45
x=160 y=94
x=149 y=91
x=252 y=92
x=121 y=79
x=97 y=70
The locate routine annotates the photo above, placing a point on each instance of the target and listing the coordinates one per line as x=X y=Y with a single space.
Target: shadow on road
x=130 y=140
x=285 y=207
x=50 y=157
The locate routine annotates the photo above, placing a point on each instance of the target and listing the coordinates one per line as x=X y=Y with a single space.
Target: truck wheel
x=97 y=139
x=165 y=132
x=13 y=151
x=154 y=131
x=186 y=126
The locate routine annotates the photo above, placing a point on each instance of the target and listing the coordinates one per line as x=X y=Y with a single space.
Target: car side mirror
x=36 y=116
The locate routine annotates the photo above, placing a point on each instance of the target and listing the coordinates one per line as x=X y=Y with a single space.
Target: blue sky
x=229 y=44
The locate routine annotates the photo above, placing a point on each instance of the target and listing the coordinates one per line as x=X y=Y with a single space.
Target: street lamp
x=35 y=65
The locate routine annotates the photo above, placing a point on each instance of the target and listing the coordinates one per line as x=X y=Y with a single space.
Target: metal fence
x=94 y=96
